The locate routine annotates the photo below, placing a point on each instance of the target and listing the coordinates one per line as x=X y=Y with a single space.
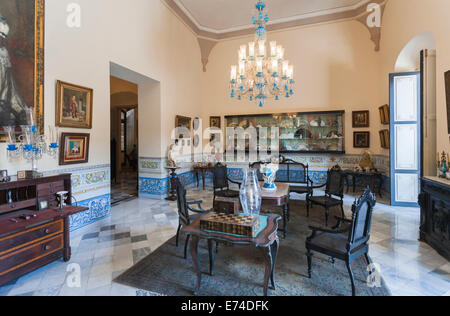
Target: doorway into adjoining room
x=413 y=119
x=124 y=140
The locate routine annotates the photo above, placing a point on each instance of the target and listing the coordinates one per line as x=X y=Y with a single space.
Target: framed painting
x=74 y=149
x=384 y=114
x=215 y=121
x=22 y=62
x=385 y=139
x=183 y=121
x=447 y=89
x=73 y=105
x=361 y=139
x=361 y=119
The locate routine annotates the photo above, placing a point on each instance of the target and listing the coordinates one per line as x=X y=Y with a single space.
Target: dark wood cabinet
x=30 y=239
x=434 y=201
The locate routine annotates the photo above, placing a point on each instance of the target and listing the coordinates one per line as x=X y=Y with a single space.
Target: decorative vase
x=251 y=194
x=269 y=173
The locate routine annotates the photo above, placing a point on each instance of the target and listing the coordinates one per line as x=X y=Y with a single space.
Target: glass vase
x=250 y=194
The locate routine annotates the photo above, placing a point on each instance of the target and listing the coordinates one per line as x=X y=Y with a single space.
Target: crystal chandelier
x=261 y=75
x=30 y=145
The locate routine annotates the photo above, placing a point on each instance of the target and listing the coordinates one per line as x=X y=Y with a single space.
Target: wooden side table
x=278 y=198
x=203 y=171
x=267 y=241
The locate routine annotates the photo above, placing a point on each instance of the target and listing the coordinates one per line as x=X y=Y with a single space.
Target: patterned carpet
x=239 y=271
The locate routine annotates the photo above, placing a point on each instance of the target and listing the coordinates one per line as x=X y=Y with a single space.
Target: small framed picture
x=215 y=121
x=385 y=139
x=73 y=105
x=384 y=114
x=43 y=205
x=361 y=119
x=361 y=139
x=74 y=149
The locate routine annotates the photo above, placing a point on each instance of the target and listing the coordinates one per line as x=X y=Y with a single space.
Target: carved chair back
x=183 y=211
x=220 y=177
x=335 y=182
x=361 y=220
x=290 y=171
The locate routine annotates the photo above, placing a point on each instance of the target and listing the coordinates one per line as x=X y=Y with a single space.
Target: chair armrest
x=234 y=182
x=329 y=231
x=341 y=221
x=199 y=204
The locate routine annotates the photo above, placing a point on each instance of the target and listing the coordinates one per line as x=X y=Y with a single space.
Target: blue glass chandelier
x=261 y=75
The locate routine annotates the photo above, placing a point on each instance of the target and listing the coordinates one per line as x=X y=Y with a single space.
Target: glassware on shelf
x=250 y=194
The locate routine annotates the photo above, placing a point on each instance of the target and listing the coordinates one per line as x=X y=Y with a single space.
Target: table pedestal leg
x=194 y=253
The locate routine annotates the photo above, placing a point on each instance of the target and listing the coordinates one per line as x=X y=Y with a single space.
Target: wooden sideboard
x=434 y=201
x=29 y=238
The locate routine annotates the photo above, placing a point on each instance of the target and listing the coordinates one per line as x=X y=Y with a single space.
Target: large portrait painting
x=447 y=89
x=73 y=105
x=21 y=61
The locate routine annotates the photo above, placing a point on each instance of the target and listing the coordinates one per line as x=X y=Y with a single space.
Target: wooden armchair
x=184 y=209
x=222 y=183
x=334 y=193
x=345 y=243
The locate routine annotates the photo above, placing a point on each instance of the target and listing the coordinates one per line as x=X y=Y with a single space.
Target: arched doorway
x=413 y=118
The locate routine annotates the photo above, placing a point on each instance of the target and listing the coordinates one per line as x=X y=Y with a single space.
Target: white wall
x=336 y=68
x=404 y=20
x=140 y=35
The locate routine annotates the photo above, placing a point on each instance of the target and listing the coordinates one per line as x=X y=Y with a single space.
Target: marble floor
x=137 y=227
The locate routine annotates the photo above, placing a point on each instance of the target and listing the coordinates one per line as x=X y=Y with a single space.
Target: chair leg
x=308 y=203
x=309 y=255
x=186 y=245
x=178 y=233
x=350 y=272
x=369 y=262
x=327 y=214
x=342 y=209
x=217 y=247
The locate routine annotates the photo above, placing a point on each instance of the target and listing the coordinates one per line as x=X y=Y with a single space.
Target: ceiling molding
x=320 y=17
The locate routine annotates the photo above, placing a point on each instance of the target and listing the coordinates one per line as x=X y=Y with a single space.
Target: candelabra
x=30 y=145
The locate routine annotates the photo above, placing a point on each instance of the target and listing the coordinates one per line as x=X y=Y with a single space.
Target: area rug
x=239 y=271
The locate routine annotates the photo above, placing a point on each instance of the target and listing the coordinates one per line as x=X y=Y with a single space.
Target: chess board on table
x=247 y=226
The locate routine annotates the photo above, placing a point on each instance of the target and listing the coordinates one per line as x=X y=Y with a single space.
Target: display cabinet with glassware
x=309 y=132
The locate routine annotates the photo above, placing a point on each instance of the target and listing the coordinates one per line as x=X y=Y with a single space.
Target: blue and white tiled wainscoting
x=90 y=188
x=154 y=178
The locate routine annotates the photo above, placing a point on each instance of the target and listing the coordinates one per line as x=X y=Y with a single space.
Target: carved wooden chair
x=334 y=193
x=184 y=209
x=222 y=183
x=345 y=243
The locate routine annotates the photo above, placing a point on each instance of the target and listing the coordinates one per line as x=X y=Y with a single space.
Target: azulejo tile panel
x=99 y=208
x=160 y=186
x=90 y=188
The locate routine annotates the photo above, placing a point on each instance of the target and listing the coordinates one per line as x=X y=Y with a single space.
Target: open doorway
x=413 y=119
x=124 y=140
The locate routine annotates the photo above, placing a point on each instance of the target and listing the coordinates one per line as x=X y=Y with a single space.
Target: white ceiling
x=221 y=16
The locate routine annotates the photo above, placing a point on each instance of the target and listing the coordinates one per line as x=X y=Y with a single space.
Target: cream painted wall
x=402 y=21
x=336 y=68
x=143 y=36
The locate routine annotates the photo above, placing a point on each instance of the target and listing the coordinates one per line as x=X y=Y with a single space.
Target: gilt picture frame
x=361 y=139
x=25 y=47
x=361 y=119
x=74 y=105
x=447 y=91
x=74 y=149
